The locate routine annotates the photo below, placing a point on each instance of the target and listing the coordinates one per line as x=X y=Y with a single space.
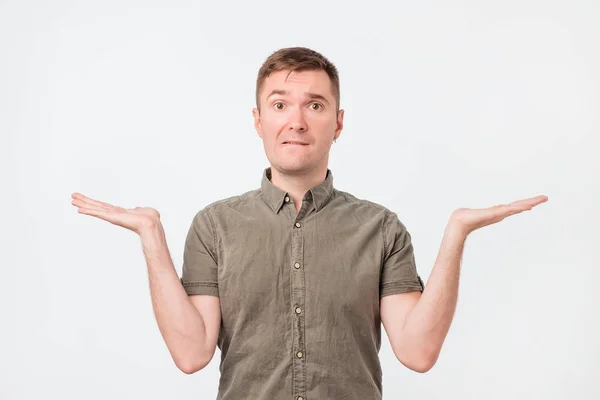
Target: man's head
x=297 y=112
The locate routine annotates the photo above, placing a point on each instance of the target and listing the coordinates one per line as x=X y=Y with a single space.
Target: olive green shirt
x=299 y=291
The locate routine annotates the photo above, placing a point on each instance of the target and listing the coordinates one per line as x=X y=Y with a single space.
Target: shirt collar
x=276 y=196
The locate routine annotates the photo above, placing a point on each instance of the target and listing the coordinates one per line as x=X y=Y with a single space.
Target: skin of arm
x=417 y=323
x=189 y=325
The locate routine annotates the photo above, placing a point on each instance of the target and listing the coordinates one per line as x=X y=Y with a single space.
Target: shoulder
x=367 y=210
x=228 y=204
x=354 y=204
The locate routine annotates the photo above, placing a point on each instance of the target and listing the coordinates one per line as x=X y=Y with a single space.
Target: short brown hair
x=298 y=59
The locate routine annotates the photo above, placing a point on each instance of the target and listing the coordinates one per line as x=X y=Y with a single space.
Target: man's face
x=298 y=120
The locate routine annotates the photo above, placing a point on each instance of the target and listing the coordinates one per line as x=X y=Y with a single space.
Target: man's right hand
x=135 y=219
x=189 y=324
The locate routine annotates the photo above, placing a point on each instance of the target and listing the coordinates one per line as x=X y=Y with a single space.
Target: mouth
x=294 y=142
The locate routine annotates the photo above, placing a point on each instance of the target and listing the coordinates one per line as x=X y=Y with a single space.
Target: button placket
x=298 y=300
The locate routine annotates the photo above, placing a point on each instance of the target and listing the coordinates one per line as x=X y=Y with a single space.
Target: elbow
x=191 y=366
x=423 y=366
x=189 y=369
x=420 y=361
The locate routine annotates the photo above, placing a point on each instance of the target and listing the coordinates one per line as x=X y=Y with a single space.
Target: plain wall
x=147 y=103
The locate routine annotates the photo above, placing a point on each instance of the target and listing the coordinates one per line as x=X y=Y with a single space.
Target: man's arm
x=189 y=324
x=418 y=323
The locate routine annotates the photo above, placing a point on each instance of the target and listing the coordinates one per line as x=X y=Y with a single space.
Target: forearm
x=180 y=323
x=429 y=321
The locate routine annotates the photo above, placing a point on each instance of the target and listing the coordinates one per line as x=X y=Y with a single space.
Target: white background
x=147 y=103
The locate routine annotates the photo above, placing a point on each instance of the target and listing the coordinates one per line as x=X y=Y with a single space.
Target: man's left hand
x=467 y=220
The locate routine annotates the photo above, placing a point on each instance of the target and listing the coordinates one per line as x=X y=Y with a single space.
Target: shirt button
x=297 y=265
x=297 y=224
x=298 y=310
x=287 y=199
x=299 y=354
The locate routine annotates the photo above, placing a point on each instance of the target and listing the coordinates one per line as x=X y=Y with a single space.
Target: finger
x=115 y=218
x=83 y=204
x=525 y=203
x=99 y=204
x=521 y=207
x=532 y=200
x=93 y=202
x=95 y=212
x=518 y=210
x=507 y=210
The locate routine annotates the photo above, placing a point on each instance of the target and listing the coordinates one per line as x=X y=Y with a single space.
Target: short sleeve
x=200 y=266
x=399 y=273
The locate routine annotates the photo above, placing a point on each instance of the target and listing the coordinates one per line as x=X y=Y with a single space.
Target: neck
x=297 y=184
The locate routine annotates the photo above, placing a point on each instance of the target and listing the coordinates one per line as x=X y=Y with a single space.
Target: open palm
x=471 y=219
x=134 y=219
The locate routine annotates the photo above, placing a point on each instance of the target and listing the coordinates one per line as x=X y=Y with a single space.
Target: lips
x=295 y=142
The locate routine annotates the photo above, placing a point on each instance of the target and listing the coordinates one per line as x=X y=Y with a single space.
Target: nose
x=297 y=121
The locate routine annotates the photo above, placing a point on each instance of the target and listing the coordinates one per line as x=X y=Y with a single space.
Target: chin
x=290 y=167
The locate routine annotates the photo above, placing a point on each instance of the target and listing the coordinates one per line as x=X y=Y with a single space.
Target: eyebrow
x=313 y=96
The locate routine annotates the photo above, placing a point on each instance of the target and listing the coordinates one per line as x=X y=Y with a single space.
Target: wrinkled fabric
x=299 y=291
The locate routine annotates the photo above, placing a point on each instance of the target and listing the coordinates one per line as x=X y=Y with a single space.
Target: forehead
x=316 y=81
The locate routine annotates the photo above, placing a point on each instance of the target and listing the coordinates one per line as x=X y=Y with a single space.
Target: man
x=293 y=280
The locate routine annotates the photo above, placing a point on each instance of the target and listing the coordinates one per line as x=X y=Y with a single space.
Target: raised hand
x=135 y=219
x=468 y=220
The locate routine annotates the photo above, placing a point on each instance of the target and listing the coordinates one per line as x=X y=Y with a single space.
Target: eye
x=319 y=106
x=278 y=104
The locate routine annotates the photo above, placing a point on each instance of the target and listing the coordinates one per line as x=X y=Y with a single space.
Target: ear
x=339 y=125
x=257 y=124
